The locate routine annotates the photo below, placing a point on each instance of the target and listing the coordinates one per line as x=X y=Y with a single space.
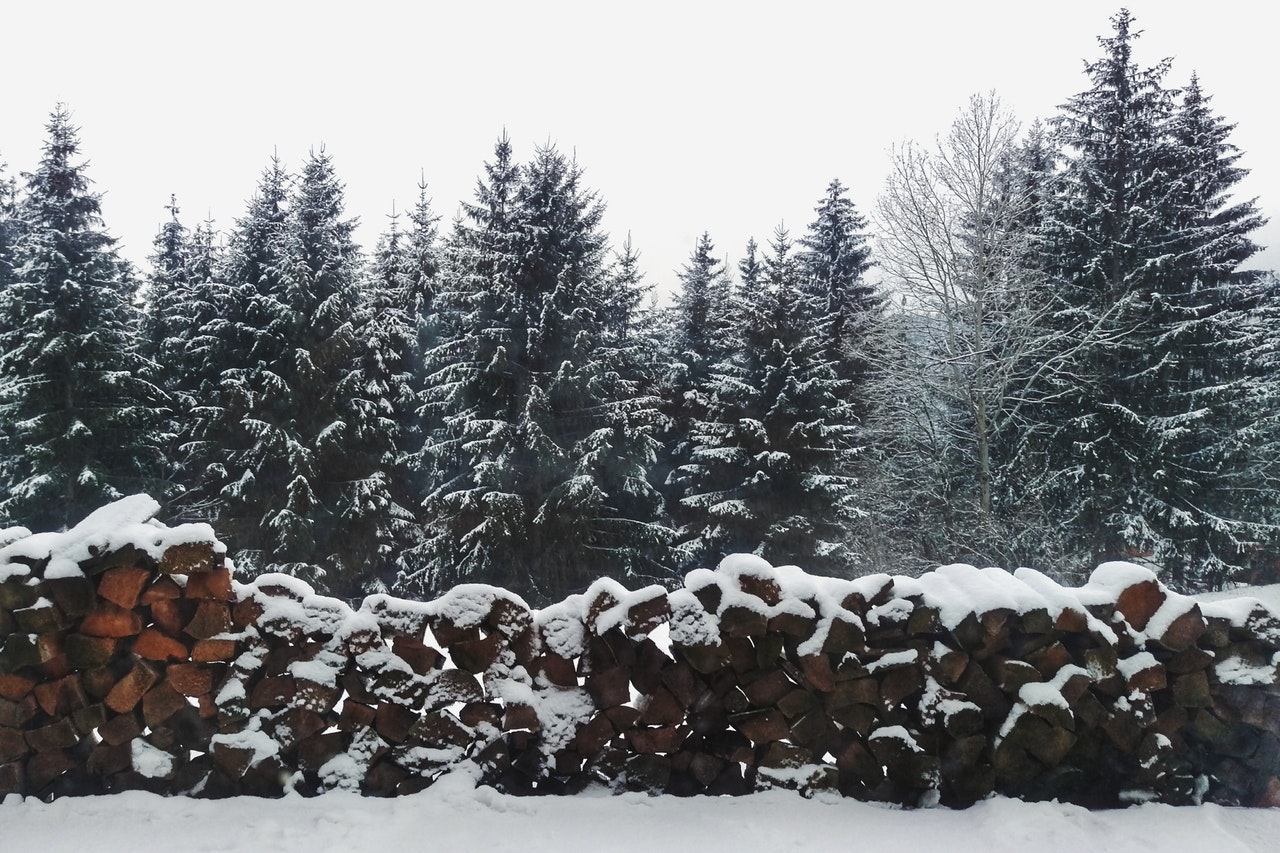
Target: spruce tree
x=167 y=324
x=836 y=259
x=541 y=453
x=308 y=459
x=696 y=330
x=80 y=410
x=232 y=348
x=1140 y=455
x=398 y=323
x=770 y=468
x=8 y=225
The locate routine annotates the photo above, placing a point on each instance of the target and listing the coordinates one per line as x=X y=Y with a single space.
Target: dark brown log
x=705 y=658
x=818 y=672
x=162 y=588
x=474 y=714
x=274 y=691
x=355 y=716
x=61 y=696
x=45 y=767
x=1049 y=659
x=211 y=618
x=738 y=621
x=1139 y=602
x=477 y=655
x=98 y=681
x=190 y=679
x=153 y=645
x=44 y=617
x=73 y=595
x=208 y=651
x=765 y=688
x=592 y=736
x=610 y=687
x=89 y=717
x=761 y=726
x=1071 y=621
x=129 y=691
x=661 y=708
x=190 y=558
x=1192 y=690
x=160 y=703
x=761 y=586
x=170 y=615
x=14 y=686
x=517 y=716
x=683 y=682
x=861 y=690
x=106 y=759
x=660 y=739
x=439 y=729
x=797 y=702
x=16 y=593
x=318 y=750
x=12 y=745
x=1185 y=630
x=1148 y=679
x=123 y=585
x=294 y=725
x=843 y=637
x=111 y=620
x=949 y=667
x=121 y=729
x=215 y=584
x=420 y=657
x=245 y=612
x=17 y=714
x=85 y=652
x=897 y=685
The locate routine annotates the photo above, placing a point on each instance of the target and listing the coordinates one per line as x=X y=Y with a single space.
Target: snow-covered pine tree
x=770 y=467
x=399 y=323
x=166 y=281
x=1216 y=409
x=695 y=331
x=1141 y=453
x=540 y=457
x=80 y=410
x=307 y=490
x=835 y=259
x=8 y=224
x=229 y=350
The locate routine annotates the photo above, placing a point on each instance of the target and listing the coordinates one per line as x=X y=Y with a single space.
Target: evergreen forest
x=1040 y=345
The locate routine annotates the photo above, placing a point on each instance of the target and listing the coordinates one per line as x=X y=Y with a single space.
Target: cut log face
x=123 y=585
x=1139 y=602
x=129 y=691
x=190 y=558
x=211 y=618
x=106 y=619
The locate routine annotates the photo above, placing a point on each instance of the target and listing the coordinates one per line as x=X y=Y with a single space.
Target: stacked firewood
x=112 y=642
x=130 y=658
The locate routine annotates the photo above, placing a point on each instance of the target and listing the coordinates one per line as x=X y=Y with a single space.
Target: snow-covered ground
x=1268 y=595
x=450 y=817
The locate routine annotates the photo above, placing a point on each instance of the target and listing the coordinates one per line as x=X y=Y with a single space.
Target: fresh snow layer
x=448 y=816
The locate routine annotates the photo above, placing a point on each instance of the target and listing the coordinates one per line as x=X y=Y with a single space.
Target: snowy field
x=447 y=817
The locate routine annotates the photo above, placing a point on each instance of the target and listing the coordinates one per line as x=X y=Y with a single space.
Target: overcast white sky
x=687 y=116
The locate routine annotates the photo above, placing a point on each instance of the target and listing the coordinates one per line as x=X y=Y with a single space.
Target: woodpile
x=131 y=659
